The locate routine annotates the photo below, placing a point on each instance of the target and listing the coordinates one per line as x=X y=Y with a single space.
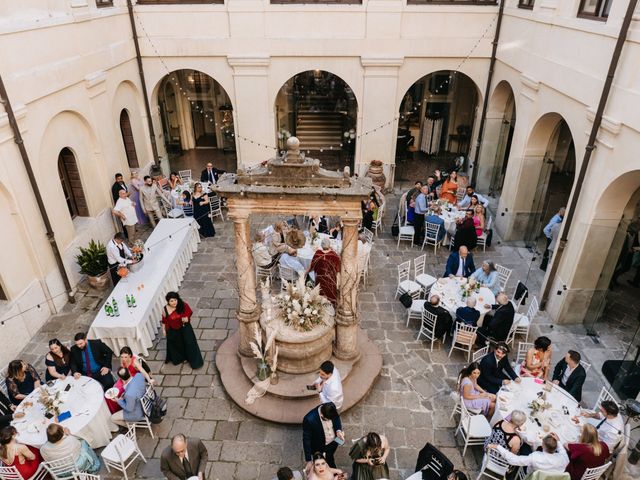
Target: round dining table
x=557 y=418
x=83 y=399
x=450 y=215
x=449 y=289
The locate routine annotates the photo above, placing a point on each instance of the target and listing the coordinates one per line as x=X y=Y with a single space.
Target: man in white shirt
x=466 y=200
x=117 y=254
x=329 y=384
x=289 y=260
x=608 y=422
x=552 y=458
x=125 y=210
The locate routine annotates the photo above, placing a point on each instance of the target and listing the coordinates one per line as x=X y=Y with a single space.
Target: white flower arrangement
x=302 y=306
x=468 y=287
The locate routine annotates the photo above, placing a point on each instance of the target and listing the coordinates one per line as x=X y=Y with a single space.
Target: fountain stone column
x=346 y=346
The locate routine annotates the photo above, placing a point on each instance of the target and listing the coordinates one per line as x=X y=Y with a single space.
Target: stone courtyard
x=410 y=403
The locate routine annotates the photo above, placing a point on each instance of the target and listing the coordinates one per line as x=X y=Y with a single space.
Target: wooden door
x=127 y=138
x=71 y=184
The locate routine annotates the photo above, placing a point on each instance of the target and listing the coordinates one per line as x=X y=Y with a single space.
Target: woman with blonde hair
x=479 y=219
x=589 y=452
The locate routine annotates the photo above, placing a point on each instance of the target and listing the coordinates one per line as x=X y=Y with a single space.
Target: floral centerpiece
x=302 y=306
x=469 y=287
x=51 y=402
x=137 y=250
x=539 y=405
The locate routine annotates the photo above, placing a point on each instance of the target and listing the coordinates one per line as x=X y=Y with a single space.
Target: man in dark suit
x=7 y=410
x=497 y=326
x=210 y=174
x=495 y=369
x=443 y=320
x=460 y=263
x=184 y=458
x=467 y=314
x=117 y=186
x=570 y=375
x=320 y=428
x=93 y=359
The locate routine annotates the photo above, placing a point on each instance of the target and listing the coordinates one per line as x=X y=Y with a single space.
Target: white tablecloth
x=168 y=252
x=450 y=222
x=306 y=253
x=450 y=293
x=518 y=397
x=415 y=476
x=90 y=417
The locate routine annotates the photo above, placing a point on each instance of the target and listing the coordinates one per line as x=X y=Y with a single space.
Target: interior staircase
x=319 y=125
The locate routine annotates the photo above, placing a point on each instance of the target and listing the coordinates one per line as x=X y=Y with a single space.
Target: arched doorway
x=498 y=135
x=197 y=121
x=556 y=171
x=322 y=111
x=128 y=140
x=437 y=115
x=71 y=184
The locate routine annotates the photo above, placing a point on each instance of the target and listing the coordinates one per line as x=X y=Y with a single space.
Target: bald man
x=460 y=263
x=186 y=457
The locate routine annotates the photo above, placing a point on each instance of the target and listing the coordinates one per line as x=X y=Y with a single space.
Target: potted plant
x=92 y=261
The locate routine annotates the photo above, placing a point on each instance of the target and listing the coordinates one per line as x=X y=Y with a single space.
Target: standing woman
x=182 y=345
x=134 y=194
x=201 y=211
x=369 y=455
x=449 y=188
x=57 y=361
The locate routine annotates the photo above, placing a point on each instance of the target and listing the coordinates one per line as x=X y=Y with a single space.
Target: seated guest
x=413 y=192
x=135 y=365
x=505 y=432
x=277 y=242
x=7 y=411
x=285 y=473
x=552 y=458
x=174 y=180
x=260 y=252
x=336 y=231
x=326 y=266
x=589 y=452
x=61 y=444
x=487 y=276
x=91 y=358
x=134 y=389
x=479 y=219
x=473 y=396
x=538 y=360
x=466 y=200
x=411 y=208
x=329 y=384
x=289 y=260
x=460 y=263
x=443 y=317
x=466 y=232
x=367 y=214
x=26 y=459
x=608 y=423
x=570 y=375
x=210 y=174
x=57 y=361
x=495 y=369
x=319 y=223
x=434 y=217
x=22 y=379
x=496 y=327
x=186 y=457
x=468 y=315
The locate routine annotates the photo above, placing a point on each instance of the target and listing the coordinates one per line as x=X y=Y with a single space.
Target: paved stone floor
x=410 y=403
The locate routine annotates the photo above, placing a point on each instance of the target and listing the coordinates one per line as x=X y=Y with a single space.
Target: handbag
x=395 y=228
x=406 y=300
x=489 y=237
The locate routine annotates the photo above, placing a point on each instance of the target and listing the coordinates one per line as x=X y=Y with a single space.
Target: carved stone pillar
x=346 y=347
x=248 y=311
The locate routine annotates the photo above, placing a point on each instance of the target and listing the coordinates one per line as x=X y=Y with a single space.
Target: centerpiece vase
x=263 y=370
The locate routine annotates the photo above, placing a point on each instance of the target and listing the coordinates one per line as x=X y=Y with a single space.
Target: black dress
x=62 y=368
x=181 y=339
x=201 y=214
x=24 y=387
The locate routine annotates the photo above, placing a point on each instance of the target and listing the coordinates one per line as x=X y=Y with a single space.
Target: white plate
x=111 y=394
x=32 y=428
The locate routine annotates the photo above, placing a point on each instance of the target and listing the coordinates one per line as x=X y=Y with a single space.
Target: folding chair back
x=595 y=473
x=478 y=354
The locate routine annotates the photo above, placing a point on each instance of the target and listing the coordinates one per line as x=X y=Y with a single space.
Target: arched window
x=127 y=138
x=71 y=184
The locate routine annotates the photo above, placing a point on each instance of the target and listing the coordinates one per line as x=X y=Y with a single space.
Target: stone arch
x=128 y=98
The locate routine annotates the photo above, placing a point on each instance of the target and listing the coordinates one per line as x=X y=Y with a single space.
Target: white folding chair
x=266 y=272
x=503 y=276
x=62 y=469
x=478 y=354
x=463 y=339
x=494 y=465
x=425 y=280
x=363 y=267
x=523 y=348
x=405 y=232
x=428 y=328
x=511 y=336
x=404 y=284
x=596 y=472
x=522 y=323
x=287 y=274
x=169 y=211
x=415 y=310
x=460 y=193
x=377 y=223
x=368 y=235
x=585 y=365
x=147 y=403
x=482 y=239
x=214 y=207
x=185 y=175
x=431 y=231
x=459 y=400
x=604 y=395
x=3 y=381
x=85 y=476
x=12 y=473
x=518 y=302
x=121 y=452
x=473 y=428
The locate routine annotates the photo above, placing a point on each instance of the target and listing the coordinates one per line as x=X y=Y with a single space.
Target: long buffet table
x=168 y=252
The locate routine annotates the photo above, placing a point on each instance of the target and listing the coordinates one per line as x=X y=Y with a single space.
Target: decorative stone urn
x=376 y=173
x=301 y=352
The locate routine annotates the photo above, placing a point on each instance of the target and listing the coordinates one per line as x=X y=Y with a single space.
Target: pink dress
x=476 y=223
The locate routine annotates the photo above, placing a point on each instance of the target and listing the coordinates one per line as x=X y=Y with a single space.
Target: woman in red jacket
x=590 y=452
x=181 y=340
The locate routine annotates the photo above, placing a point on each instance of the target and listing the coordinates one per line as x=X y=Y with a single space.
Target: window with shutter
x=127 y=139
x=71 y=184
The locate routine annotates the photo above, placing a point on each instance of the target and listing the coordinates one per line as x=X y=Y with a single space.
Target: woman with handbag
x=182 y=345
